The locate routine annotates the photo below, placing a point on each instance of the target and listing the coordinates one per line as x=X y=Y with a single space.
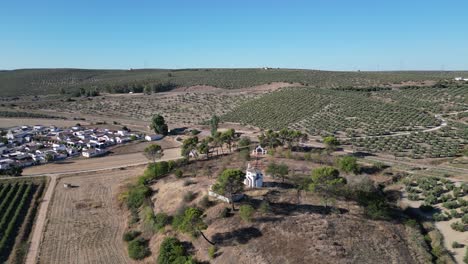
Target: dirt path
x=31 y=258
x=437 y=116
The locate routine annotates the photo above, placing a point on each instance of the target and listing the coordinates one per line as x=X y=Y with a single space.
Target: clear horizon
x=317 y=35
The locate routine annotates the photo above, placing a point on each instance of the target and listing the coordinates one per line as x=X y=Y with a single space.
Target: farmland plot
x=17 y=212
x=85 y=222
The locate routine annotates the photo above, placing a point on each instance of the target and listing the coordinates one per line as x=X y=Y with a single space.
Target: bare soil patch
x=85 y=223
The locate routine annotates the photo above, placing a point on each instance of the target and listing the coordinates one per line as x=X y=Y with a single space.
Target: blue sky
x=314 y=34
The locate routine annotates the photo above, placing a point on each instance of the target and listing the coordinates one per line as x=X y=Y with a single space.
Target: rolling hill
x=54 y=81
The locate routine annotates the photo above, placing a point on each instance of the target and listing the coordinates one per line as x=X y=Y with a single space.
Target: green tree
x=228 y=138
x=138 y=249
x=153 y=152
x=214 y=122
x=277 y=170
x=348 y=164
x=244 y=142
x=189 y=145
x=270 y=139
x=49 y=157
x=191 y=222
x=172 y=251
x=204 y=147
x=326 y=181
x=158 y=124
x=331 y=143
x=230 y=182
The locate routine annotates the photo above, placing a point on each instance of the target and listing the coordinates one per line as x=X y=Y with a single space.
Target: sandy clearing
x=94 y=164
x=85 y=223
x=13 y=122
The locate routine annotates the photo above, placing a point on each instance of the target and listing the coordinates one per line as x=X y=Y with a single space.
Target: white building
x=259 y=151
x=253 y=177
x=153 y=137
x=6 y=164
x=89 y=153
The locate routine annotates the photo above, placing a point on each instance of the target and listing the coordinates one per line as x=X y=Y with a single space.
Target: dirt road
x=40 y=222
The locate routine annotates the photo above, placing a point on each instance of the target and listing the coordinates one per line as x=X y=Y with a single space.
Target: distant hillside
x=53 y=81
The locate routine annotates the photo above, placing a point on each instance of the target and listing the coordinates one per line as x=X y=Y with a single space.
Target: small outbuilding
x=259 y=151
x=153 y=137
x=253 y=177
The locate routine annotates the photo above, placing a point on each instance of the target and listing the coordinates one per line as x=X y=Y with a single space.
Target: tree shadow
x=289 y=209
x=239 y=236
x=282 y=185
x=372 y=169
x=360 y=154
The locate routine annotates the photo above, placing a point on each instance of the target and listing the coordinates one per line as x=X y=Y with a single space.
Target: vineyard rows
x=370 y=121
x=16 y=200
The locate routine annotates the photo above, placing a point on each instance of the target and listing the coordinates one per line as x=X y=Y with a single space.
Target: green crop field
x=18 y=205
x=54 y=81
x=402 y=121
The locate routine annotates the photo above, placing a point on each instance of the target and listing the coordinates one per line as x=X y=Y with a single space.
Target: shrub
x=172 y=251
x=246 y=212
x=348 y=164
x=439 y=217
x=458 y=226
x=413 y=197
x=130 y=235
x=212 y=252
x=179 y=173
x=465 y=258
x=138 y=249
x=465 y=218
x=137 y=195
x=455 y=244
x=455 y=214
x=430 y=199
x=264 y=207
x=189 y=196
x=451 y=205
x=446 y=197
x=161 y=220
x=188 y=182
x=225 y=212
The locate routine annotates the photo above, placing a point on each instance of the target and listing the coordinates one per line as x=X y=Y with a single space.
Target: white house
x=259 y=151
x=253 y=177
x=122 y=133
x=59 y=147
x=153 y=137
x=6 y=163
x=89 y=153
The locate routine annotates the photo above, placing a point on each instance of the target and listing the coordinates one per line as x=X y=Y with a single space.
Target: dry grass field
x=85 y=223
x=184 y=106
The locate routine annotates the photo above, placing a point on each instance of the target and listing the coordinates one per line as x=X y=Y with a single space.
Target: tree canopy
x=153 y=152
x=331 y=142
x=230 y=182
x=348 y=164
x=158 y=124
